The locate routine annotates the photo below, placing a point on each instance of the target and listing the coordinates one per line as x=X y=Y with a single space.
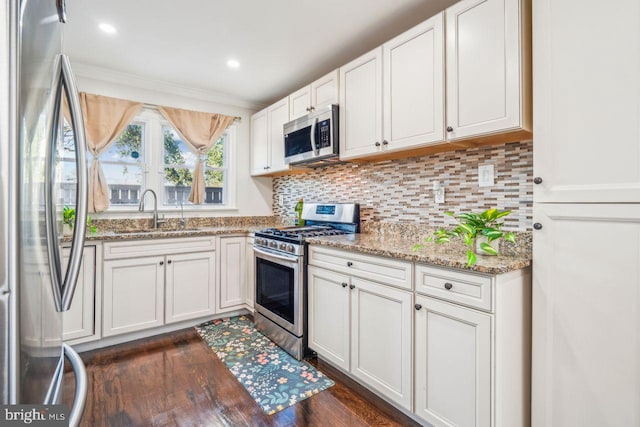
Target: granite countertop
x=441 y=255
x=106 y=236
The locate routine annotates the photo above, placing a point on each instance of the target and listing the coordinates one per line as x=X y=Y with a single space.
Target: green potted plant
x=477 y=230
x=69 y=220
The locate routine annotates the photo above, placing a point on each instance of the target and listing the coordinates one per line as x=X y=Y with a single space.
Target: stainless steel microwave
x=312 y=137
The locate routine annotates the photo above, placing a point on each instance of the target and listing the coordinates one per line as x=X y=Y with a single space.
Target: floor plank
x=177 y=380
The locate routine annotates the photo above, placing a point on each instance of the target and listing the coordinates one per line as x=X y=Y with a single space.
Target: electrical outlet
x=438 y=192
x=486 y=175
x=280 y=199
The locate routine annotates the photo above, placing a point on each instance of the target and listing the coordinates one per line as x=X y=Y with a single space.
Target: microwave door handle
x=314 y=124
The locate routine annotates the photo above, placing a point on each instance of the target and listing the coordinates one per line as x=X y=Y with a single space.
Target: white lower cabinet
x=81 y=322
x=364 y=328
x=453 y=364
x=189 y=293
x=232 y=275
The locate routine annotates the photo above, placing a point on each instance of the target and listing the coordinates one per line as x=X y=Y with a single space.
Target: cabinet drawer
x=469 y=289
x=153 y=247
x=383 y=270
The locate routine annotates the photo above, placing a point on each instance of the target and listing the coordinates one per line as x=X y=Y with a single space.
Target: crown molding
x=134 y=80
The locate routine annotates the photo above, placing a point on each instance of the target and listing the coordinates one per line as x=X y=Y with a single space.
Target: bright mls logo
x=38 y=415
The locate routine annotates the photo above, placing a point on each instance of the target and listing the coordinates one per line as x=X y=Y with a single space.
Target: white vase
x=483 y=239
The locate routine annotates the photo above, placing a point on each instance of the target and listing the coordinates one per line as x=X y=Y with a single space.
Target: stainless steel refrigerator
x=34 y=288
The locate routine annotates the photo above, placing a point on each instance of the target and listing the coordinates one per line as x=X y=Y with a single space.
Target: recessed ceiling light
x=107 y=28
x=233 y=63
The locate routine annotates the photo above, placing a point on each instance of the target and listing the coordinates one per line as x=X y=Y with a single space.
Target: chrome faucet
x=182 y=221
x=156 y=221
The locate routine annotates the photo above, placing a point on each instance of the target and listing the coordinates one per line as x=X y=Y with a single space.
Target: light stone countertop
x=439 y=255
x=109 y=236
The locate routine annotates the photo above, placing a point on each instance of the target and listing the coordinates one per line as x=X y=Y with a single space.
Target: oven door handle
x=275 y=255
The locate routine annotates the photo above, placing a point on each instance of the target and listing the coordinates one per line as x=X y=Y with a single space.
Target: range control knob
x=290 y=248
x=282 y=246
x=273 y=244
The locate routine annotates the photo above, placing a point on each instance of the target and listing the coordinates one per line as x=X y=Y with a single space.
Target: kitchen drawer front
x=472 y=290
x=152 y=247
x=383 y=270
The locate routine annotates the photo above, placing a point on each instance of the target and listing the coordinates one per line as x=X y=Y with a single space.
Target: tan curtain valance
x=200 y=132
x=105 y=119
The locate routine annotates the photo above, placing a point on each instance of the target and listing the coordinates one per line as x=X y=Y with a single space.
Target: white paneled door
x=190 y=286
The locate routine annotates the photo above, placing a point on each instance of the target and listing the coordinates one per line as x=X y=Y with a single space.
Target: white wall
x=253 y=195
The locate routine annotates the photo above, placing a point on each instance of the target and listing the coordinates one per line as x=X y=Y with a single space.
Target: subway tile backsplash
x=401 y=191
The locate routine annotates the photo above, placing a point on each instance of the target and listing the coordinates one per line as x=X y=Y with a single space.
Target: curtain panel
x=200 y=131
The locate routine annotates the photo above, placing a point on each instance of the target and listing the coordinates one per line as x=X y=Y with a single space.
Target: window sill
x=188 y=211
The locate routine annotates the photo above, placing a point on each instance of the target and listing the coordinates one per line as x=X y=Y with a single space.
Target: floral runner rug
x=272 y=377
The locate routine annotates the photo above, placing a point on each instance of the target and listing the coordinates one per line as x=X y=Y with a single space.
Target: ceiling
x=281 y=45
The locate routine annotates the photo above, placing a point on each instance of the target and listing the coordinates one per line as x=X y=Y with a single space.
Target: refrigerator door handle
x=79 y=231
x=80 y=397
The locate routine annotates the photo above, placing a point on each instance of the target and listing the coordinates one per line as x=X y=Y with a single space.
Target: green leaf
x=471 y=258
x=443 y=239
x=467 y=229
x=510 y=237
x=502 y=213
x=490 y=214
x=449 y=213
x=417 y=247
x=468 y=240
x=488 y=248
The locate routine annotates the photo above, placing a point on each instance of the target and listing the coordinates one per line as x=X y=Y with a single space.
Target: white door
x=79 y=321
x=278 y=115
x=259 y=143
x=329 y=319
x=299 y=103
x=324 y=91
x=361 y=106
x=250 y=293
x=381 y=339
x=232 y=272
x=453 y=364
x=414 y=86
x=586 y=315
x=133 y=297
x=483 y=67
x=190 y=286
x=587 y=101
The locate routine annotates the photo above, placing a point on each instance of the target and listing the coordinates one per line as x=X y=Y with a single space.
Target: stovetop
x=300 y=233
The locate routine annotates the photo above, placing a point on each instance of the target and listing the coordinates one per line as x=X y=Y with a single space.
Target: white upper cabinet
x=413 y=75
x=361 y=106
x=488 y=89
x=267 y=139
x=587 y=101
x=323 y=92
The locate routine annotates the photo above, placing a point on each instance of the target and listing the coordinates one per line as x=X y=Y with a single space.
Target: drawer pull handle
x=349 y=264
x=169 y=262
x=448 y=286
x=344 y=285
x=418 y=306
x=352 y=286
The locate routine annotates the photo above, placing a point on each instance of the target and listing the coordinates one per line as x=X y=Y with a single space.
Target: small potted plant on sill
x=69 y=220
x=479 y=231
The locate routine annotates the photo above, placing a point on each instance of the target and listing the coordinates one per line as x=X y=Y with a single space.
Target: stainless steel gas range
x=281 y=273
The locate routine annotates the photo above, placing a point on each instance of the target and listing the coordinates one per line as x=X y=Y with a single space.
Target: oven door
x=279 y=284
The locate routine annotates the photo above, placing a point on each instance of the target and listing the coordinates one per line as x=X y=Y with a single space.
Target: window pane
x=123 y=167
x=177 y=185
x=215 y=156
x=176 y=151
x=214 y=185
x=127 y=147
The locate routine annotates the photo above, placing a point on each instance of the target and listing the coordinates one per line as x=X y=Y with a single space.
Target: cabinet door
x=250 y=293
x=483 y=67
x=324 y=91
x=79 y=321
x=361 y=106
x=381 y=340
x=232 y=272
x=299 y=103
x=587 y=101
x=586 y=305
x=278 y=115
x=453 y=364
x=133 y=295
x=259 y=143
x=190 y=286
x=329 y=320
x=414 y=86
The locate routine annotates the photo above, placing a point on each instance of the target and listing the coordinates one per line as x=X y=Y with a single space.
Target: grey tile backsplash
x=401 y=191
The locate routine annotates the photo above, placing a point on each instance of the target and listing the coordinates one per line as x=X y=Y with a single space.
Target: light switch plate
x=280 y=199
x=486 y=176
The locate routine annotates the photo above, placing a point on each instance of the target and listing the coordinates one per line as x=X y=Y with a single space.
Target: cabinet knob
x=449 y=129
x=161 y=262
x=537 y=180
x=377 y=143
x=352 y=286
x=418 y=306
x=385 y=142
x=537 y=226
x=349 y=264
x=308 y=108
x=312 y=108
x=169 y=262
x=344 y=285
x=448 y=286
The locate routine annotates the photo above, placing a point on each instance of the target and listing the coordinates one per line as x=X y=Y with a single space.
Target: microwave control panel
x=323 y=137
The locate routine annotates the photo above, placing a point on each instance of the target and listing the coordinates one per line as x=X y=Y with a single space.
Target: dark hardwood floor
x=177 y=380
